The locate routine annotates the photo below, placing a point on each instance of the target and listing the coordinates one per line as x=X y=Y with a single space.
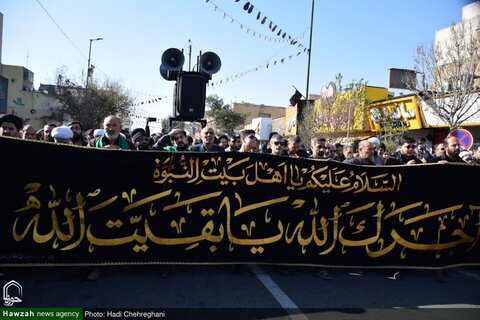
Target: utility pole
x=89 y=71
x=309 y=54
x=301 y=108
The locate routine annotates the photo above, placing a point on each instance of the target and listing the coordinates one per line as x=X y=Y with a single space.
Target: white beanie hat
x=375 y=141
x=62 y=132
x=98 y=133
x=465 y=153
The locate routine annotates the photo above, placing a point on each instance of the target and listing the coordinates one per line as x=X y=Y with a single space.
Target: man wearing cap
x=376 y=143
x=207 y=145
x=76 y=128
x=10 y=125
x=62 y=134
x=467 y=156
x=140 y=139
x=178 y=139
x=112 y=138
x=97 y=133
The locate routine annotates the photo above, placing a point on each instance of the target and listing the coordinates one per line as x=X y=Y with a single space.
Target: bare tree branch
x=450 y=84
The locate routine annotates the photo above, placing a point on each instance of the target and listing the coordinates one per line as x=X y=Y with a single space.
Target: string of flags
x=144 y=94
x=274 y=27
x=233 y=77
x=137 y=115
x=257 y=68
x=228 y=79
x=151 y=101
x=152 y=98
x=249 y=8
x=278 y=39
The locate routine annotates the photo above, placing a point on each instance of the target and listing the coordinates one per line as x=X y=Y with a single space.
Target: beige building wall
x=471 y=22
x=33 y=107
x=258 y=111
x=470 y=15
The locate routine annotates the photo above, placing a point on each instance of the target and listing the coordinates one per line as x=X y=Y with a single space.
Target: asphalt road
x=253 y=292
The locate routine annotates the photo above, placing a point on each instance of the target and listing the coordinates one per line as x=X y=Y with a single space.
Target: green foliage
x=226 y=119
x=91 y=106
x=391 y=137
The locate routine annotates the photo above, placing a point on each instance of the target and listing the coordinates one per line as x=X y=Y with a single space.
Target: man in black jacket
x=452 y=151
x=365 y=154
x=207 y=145
x=405 y=154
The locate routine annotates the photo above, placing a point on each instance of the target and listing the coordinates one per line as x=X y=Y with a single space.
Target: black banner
x=75 y=205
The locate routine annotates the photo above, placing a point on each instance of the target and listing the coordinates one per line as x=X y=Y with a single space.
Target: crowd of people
x=368 y=151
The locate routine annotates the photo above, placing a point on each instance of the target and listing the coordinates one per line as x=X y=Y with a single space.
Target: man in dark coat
x=207 y=145
x=405 y=153
x=452 y=151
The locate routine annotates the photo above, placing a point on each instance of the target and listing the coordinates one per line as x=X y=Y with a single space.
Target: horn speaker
x=172 y=62
x=210 y=63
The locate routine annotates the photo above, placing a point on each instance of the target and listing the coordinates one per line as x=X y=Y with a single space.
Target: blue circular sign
x=464 y=137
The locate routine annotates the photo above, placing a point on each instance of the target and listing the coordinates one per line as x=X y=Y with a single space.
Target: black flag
x=295 y=98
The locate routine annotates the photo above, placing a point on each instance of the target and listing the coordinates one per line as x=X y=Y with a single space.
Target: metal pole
x=309 y=55
x=189 y=55
x=301 y=111
x=88 y=67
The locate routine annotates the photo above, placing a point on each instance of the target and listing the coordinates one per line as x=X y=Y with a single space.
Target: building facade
x=257 y=111
x=34 y=107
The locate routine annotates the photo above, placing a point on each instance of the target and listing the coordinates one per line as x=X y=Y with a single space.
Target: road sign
x=464 y=137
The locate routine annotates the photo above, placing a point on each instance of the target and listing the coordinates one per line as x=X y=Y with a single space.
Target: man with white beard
x=112 y=138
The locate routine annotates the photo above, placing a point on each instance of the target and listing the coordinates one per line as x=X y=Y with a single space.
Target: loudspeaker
x=191 y=94
x=210 y=63
x=172 y=62
x=168 y=74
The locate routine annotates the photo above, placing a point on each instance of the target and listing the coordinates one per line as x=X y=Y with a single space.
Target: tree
x=92 y=106
x=165 y=122
x=226 y=119
x=338 y=115
x=449 y=86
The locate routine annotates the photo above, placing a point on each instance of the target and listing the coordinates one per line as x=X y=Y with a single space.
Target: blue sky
x=361 y=39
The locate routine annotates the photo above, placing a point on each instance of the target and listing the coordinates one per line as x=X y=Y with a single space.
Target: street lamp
x=89 y=69
x=307 y=104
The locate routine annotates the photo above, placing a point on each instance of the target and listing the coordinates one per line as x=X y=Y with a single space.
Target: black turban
x=12 y=119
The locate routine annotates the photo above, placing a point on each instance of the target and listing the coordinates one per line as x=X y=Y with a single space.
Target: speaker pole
x=198 y=61
x=189 y=55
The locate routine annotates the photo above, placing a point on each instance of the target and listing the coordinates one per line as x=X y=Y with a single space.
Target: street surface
x=254 y=292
